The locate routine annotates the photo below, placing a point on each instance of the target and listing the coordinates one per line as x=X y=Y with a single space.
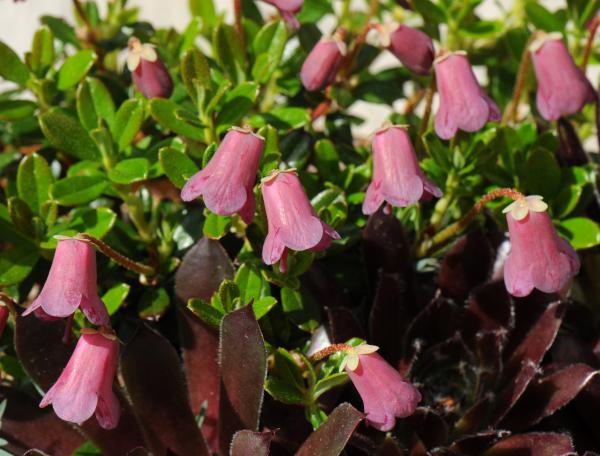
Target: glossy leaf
x=251 y=443
x=42 y=51
x=127 y=123
x=581 y=232
x=75 y=68
x=11 y=66
x=163 y=112
x=73 y=191
x=34 y=179
x=11 y=110
x=533 y=444
x=130 y=171
x=94 y=103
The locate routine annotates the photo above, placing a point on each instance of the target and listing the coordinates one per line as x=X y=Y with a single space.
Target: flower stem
x=512 y=108
x=458 y=226
x=593 y=28
x=427 y=113
x=327 y=351
x=445 y=201
x=237 y=6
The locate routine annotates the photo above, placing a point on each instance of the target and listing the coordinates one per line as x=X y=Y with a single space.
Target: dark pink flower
x=149 y=74
x=4 y=313
x=226 y=182
x=293 y=223
x=85 y=385
x=463 y=104
x=412 y=47
x=385 y=394
x=538 y=257
x=397 y=177
x=288 y=9
x=322 y=64
x=71 y=284
x=562 y=87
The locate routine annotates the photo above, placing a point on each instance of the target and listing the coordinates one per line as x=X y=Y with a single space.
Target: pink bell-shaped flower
x=293 y=223
x=411 y=46
x=397 y=177
x=463 y=104
x=385 y=394
x=85 y=385
x=538 y=257
x=562 y=88
x=226 y=182
x=322 y=63
x=71 y=284
x=288 y=10
x=149 y=74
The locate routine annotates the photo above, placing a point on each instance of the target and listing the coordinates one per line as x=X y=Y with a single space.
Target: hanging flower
x=149 y=73
x=411 y=46
x=323 y=62
x=288 y=10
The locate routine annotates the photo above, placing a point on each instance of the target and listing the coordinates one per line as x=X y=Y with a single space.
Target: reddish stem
x=327 y=351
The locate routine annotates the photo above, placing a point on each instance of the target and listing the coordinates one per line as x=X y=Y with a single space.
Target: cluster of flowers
x=539 y=258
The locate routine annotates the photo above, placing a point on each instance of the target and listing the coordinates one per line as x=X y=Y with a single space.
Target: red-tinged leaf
x=25 y=425
x=202 y=270
x=533 y=444
x=43 y=354
x=489 y=309
x=320 y=282
x=546 y=395
x=243 y=362
x=570 y=151
x=513 y=391
x=389 y=448
x=475 y=416
x=331 y=437
x=246 y=443
x=199 y=347
x=430 y=427
x=467 y=264
x=292 y=426
x=475 y=445
x=343 y=325
x=488 y=349
x=153 y=378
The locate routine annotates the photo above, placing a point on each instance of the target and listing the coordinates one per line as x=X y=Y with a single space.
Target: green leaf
x=543 y=174
x=11 y=110
x=129 y=171
x=207 y=313
x=11 y=67
x=21 y=216
x=8 y=231
x=251 y=284
x=77 y=190
x=314 y=10
x=430 y=11
x=228 y=292
x=153 y=304
x=194 y=67
x=566 y=200
x=94 y=103
x=327 y=160
x=543 y=19
x=87 y=449
x=204 y=9
x=282 y=118
x=216 y=226
x=328 y=383
x=66 y=133
x=127 y=122
x=283 y=392
x=34 y=179
x=237 y=104
x=301 y=311
x=41 y=57
x=262 y=306
x=177 y=165
x=268 y=47
x=164 y=112
x=115 y=297
x=331 y=206
x=6 y=158
x=97 y=222
x=438 y=151
x=75 y=68
x=287 y=369
x=16 y=264
x=582 y=232
x=228 y=51
x=63 y=31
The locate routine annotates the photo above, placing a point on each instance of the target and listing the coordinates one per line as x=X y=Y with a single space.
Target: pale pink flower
x=85 y=385
x=227 y=181
x=288 y=10
x=322 y=63
x=562 y=87
x=463 y=104
x=71 y=284
x=538 y=257
x=385 y=394
x=292 y=221
x=149 y=73
x=397 y=177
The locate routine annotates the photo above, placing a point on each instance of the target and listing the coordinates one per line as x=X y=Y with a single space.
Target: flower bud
x=562 y=87
x=288 y=9
x=538 y=257
x=292 y=221
x=85 y=385
x=149 y=74
x=385 y=394
x=412 y=47
x=397 y=177
x=322 y=64
x=226 y=182
x=463 y=104
x=71 y=284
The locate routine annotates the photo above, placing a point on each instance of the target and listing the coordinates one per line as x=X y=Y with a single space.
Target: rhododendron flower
x=85 y=385
x=226 y=182
x=71 y=284
x=538 y=258
x=288 y=9
x=562 y=87
x=411 y=46
x=463 y=104
x=293 y=223
x=323 y=62
x=149 y=74
x=397 y=177
x=385 y=394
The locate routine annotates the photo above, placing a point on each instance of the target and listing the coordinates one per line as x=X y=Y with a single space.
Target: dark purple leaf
x=467 y=264
x=322 y=283
x=533 y=444
x=332 y=436
x=570 y=151
x=389 y=447
x=153 y=378
x=488 y=349
x=343 y=325
x=546 y=395
x=474 y=418
x=246 y=443
x=25 y=425
x=202 y=270
x=139 y=452
x=42 y=353
x=489 y=308
x=513 y=391
x=289 y=420
x=475 y=445
x=243 y=362
x=430 y=427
